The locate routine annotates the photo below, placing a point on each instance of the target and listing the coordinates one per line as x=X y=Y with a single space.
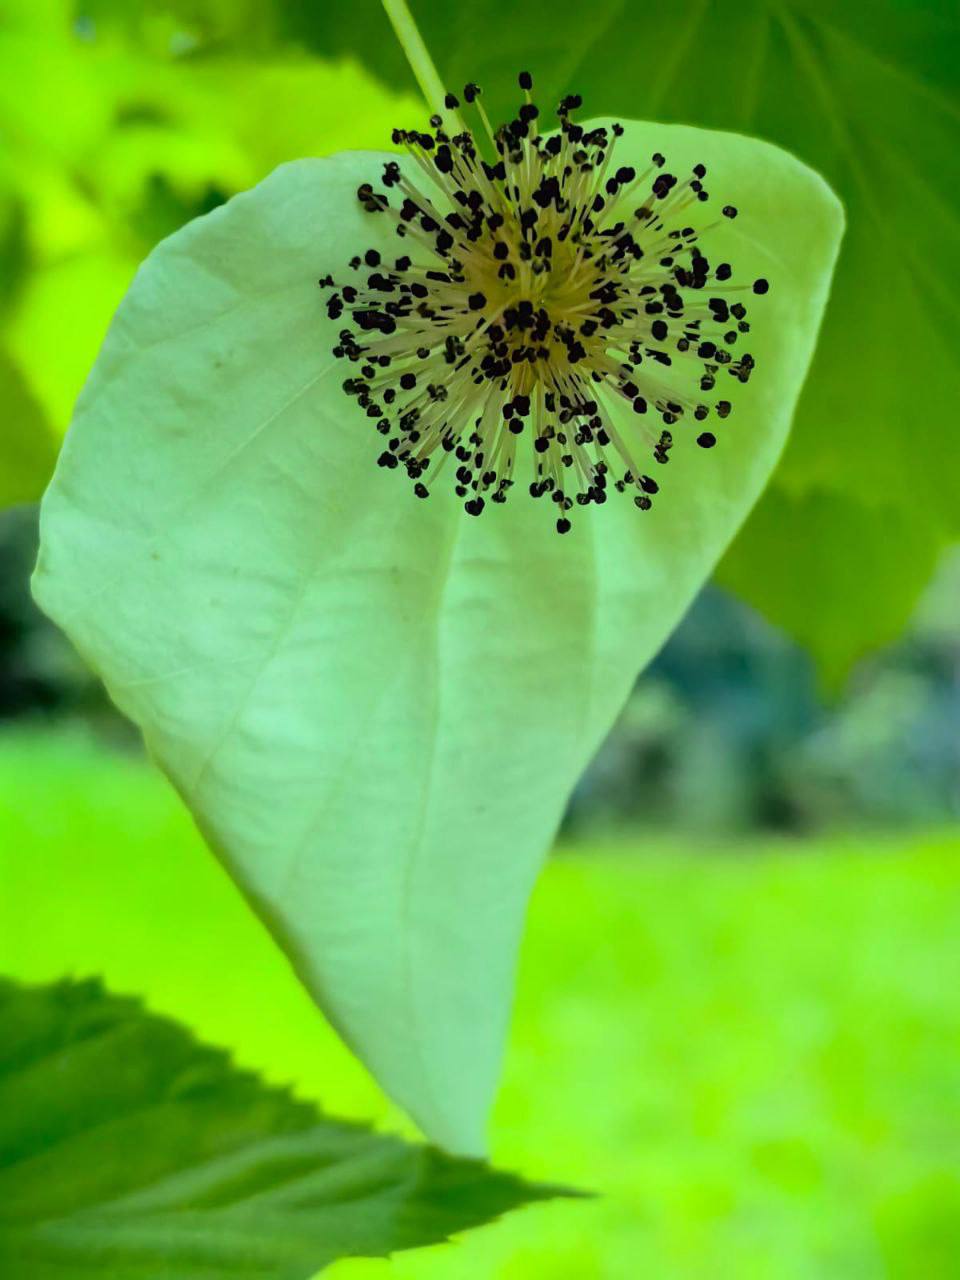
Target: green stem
x=420 y=61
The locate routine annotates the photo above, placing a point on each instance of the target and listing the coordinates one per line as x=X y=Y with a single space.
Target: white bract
x=376 y=707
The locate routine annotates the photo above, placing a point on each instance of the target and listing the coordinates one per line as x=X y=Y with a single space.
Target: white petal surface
x=376 y=707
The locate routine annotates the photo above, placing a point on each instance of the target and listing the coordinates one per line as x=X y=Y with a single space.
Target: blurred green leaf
x=190 y=26
x=152 y=138
x=127 y=1149
x=867 y=93
x=861 y=564
x=27 y=448
x=919 y=1228
x=53 y=355
x=375 y=707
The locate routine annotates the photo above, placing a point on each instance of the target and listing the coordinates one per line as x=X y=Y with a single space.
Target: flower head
x=537 y=288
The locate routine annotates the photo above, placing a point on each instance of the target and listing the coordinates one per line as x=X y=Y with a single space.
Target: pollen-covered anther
x=535 y=288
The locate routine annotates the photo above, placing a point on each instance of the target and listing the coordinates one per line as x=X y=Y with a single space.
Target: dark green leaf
x=128 y=1150
x=866 y=93
x=862 y=563
x=27 y=449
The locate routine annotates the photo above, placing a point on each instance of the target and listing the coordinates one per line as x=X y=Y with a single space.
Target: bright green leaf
x=375 y=707
x=149 y=141
x=55 y=357
x=129 y=1150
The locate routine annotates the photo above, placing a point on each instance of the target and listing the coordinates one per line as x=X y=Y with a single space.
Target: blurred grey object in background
x=41 y=677
x=728 y=731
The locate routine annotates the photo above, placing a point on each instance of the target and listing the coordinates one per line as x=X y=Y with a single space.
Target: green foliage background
x=752 y=1056
x=769 y=1048
x=120 y=120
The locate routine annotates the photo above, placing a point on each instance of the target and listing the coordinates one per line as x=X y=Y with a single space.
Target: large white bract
x=376 y=707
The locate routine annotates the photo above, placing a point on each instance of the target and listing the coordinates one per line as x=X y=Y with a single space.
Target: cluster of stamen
x=540 y=285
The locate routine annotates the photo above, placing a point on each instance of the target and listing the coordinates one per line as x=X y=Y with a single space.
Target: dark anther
x=606 y=303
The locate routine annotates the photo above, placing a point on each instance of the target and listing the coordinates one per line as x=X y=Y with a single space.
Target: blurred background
x=739 y=1015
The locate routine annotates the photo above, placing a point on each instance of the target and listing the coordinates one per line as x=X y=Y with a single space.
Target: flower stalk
x=421 y=64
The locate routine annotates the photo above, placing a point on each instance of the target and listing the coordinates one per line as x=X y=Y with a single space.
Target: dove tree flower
x=376 y=707
x=538 y=291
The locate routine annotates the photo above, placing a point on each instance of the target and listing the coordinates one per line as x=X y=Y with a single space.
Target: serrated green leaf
x=129 y=1150
x=375 y=707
